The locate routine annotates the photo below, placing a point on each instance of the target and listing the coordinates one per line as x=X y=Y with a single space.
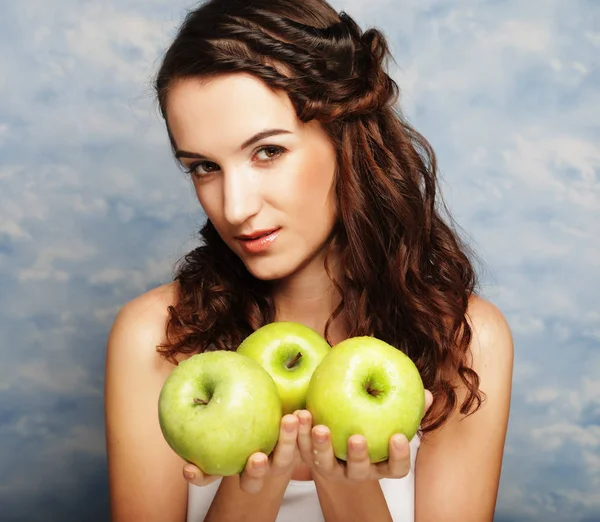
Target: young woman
x=283 y=116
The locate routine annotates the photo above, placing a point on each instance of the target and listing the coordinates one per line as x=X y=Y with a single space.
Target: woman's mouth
x=258 y=241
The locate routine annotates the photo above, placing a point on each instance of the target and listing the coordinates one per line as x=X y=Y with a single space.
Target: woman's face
x=283 y=181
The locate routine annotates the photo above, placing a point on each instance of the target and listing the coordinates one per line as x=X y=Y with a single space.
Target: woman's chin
x=265 y=270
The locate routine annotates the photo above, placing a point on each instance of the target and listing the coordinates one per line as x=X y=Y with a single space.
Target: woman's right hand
x=283 y=459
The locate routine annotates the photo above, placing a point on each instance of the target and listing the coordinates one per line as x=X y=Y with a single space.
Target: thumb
x=195 y=476
x=253 y=476
x=428 y=399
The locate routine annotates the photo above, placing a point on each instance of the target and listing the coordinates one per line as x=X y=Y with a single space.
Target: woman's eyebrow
x=257 y=137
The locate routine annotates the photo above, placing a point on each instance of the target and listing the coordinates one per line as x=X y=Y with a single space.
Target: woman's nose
x=242 y=196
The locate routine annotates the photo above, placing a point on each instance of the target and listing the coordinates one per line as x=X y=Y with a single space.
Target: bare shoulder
x=145 y=475
x=490 y=355
x=460 y=463
x=492 y=346
x=150 y=306
x=143 y=320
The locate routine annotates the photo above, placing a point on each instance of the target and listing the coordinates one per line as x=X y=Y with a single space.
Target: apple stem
x=373 y=391
x=294 y=360
x=200 y=401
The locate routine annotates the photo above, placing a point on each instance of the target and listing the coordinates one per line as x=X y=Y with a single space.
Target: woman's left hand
x=316 y=450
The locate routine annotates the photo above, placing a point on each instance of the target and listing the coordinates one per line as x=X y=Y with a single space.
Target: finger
x=398 y=464
x=194 y=475
x=323 y=456
x=287 y=446
x=304 y=437
x=252 y=478
x=428 y=399
x=358 y=464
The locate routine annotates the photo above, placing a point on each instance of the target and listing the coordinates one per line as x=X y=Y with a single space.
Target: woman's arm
x=458 y=467
x=360 y=502
x=232 y=504
x=146 y=481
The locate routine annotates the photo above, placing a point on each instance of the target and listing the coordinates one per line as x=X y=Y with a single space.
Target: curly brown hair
x=407 y=274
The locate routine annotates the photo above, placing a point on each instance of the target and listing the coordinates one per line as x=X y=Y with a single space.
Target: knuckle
x=357 y=476
x=325 y=472
x=250 y=476
x=358 y=459
x=358 y=472
x=305 y=454
x=353 y=458
x=250 y=487
x=281 y=463
x=400 y=474
x=400 y=471
x=399 y=455
x=304 y=445
x=288 y=439
x=277 y=468
x=351 y=476
x=253 y=473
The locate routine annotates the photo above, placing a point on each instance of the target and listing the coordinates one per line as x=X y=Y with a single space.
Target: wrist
x=278 y=483
x=346 y=501
x=231 y=503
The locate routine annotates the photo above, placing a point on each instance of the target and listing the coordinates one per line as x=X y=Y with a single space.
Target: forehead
x=228 y=108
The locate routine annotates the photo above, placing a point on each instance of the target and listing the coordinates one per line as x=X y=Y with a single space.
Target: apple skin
x=274 y=346
x=337 y=395
x=242 y=414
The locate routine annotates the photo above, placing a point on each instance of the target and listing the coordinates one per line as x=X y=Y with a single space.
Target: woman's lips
x=259 y=244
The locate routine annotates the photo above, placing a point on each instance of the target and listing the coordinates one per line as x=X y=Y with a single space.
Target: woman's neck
x=310 y=298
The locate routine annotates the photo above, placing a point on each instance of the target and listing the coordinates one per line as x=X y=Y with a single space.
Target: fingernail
x=289 y=427
x=399 y=442
x=321 y=436
x=188 y=474
x=358 y=444
x=303 y=419
x=259 y=464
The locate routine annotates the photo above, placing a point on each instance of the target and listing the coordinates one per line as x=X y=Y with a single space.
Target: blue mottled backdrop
x=93 y=212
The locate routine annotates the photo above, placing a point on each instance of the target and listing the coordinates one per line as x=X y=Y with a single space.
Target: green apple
x=365 y=386
x=290 y=352
x=217 y=408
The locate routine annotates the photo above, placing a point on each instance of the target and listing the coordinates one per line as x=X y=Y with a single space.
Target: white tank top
x=300 y=501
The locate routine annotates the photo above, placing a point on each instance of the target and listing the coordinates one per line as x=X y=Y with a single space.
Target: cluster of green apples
x=219 y=407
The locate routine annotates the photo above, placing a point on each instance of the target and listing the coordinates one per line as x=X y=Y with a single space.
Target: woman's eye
x=199 y=169
x=202 y=169
x=271 y=151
